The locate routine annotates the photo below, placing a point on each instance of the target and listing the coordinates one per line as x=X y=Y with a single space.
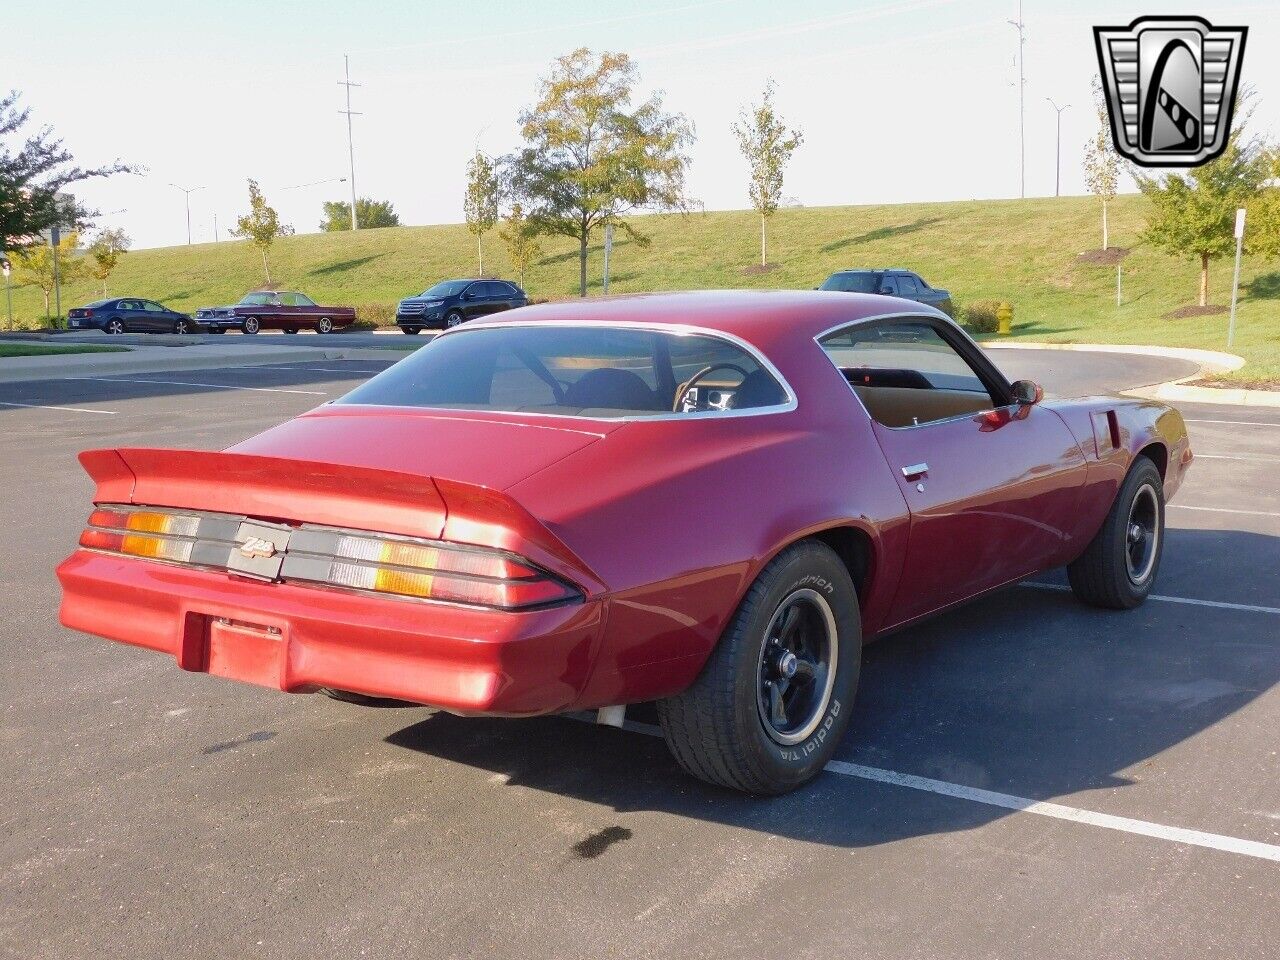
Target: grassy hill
x=1025 y=251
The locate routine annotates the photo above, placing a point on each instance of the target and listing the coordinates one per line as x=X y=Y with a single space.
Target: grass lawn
x=44 y=349
x=1023 y=251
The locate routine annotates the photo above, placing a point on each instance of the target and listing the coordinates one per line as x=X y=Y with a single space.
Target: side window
x=907 y=286
x=302 y=300
x=889 y=285
x=286 y=299
x=150 y=307
x=906 y=374
x=504 y=290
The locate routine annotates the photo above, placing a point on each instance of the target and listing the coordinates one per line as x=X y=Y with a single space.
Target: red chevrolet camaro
x=706 y=500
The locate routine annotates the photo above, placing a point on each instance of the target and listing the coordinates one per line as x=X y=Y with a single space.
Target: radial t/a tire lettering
x=774 y=699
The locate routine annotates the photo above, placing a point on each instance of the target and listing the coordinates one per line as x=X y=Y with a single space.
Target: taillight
x=141 y=533
x=428 y=570
x=88 y=314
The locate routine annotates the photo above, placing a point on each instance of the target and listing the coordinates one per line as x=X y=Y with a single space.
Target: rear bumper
x=297 y=638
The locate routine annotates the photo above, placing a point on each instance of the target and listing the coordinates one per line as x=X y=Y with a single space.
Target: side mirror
x=1027 y=393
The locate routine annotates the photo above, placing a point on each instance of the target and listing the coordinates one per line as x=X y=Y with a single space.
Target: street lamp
x=1057 y=163
x=188 y=191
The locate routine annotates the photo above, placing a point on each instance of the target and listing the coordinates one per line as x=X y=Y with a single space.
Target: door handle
x=915 y=471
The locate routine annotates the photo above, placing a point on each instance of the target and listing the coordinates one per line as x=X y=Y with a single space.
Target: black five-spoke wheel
x=797 y=667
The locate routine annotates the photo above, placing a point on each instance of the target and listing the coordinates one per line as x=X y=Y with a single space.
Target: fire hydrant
x=1004 y=317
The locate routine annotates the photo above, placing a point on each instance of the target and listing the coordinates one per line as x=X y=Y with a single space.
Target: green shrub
x=980 y=316
x=370 y=316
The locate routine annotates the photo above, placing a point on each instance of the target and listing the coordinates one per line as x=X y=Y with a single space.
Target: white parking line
x=213 y=386
x=1007 y=801
x=1231 y=456
x=1217 y=604
x=1251 y=513
x=45 y=406
x=316 y=369
x=1238 y=423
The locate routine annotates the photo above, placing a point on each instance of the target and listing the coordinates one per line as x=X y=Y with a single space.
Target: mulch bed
x=1103 y=258
x=756 y=269
x=1194 y=311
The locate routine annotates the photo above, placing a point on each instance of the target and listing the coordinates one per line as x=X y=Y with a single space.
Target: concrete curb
x=143 y=360
x=1181 y=390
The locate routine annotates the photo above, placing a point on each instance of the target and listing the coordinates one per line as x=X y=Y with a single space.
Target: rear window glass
x=856 y=281
x=600 y=372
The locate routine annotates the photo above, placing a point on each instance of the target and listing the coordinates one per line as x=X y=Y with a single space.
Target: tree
x=34 y=173
x=1193 y=213
x=1101 y=162
x=1262 y=231
x=767 y=144
x=105 y=252
x=35 y=264
x=261 y=225
x=369 y=213
x=480 y=204
x=520 y=240
x=589 y=159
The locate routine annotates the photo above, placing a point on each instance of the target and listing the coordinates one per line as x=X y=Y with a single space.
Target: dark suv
x=450 y=302
x=892 y=283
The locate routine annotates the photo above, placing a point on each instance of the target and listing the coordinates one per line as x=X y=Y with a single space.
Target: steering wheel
x=693 y=381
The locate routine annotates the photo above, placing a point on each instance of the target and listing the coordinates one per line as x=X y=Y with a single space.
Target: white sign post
x=608 y=251
x=8 y=292
x=1235 y=283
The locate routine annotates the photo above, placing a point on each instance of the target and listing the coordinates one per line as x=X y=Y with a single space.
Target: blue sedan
x=129 y=315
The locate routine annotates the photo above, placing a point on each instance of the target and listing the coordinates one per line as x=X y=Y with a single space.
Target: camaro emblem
x=257 y=547
x=1171 y=88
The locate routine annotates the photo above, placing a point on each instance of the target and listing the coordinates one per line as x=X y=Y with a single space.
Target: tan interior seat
x=905 y=406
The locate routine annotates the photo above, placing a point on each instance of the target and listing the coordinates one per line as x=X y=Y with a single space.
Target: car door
x=889 y=285
x=992 y=487
x=907 y=286
x=155 y=318
x=503 y=295
x=472 y=300
x=131 y=315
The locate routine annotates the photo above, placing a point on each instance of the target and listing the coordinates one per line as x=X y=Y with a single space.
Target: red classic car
x=285 y=310
x=706 y=500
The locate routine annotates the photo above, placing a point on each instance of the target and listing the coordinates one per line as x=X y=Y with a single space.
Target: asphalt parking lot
x=1025 y=777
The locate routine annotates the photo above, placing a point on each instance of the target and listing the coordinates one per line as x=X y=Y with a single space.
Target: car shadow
x=1024 y=692
x=882 y=233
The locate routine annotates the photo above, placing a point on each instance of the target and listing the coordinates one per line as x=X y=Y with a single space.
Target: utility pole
x=188 y=191
x=1057 y=162
x=351 y=150
x=1022 y=95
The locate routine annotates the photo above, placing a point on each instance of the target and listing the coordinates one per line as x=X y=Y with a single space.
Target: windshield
x=446 y=288
x=257 y=299
x=853 y=281
x=602 y=372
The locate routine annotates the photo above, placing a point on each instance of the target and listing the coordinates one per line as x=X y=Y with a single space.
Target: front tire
x=1118 y=568
x=452 y=319
x=324 y=325
x=181 y=327
x=411 y=331
x=774 y=699
x=251 y=325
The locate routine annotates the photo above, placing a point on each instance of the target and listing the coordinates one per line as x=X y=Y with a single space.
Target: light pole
x=188 y=191
x=316 y=183
x=8 y=292
x=1057 y=163
x=1022 y=93
x=351 y=150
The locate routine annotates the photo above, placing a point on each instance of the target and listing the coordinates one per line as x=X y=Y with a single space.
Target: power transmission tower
x=1022 y=94
x=351 y=151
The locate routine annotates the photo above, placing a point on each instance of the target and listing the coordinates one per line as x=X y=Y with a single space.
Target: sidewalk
x=159 y=359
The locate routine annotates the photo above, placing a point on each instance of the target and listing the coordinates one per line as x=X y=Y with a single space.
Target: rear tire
x=251 y=325
x=1117 y=569
x=797 y=635
x=115 y=327
x=324 y=325
x=411 y=331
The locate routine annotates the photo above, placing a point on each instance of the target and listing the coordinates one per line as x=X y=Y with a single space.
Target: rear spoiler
x=355 y=497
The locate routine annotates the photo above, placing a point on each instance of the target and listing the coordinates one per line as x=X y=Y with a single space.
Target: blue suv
x=451 y=302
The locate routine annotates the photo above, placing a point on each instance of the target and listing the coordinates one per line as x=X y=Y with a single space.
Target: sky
x=899 y=100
